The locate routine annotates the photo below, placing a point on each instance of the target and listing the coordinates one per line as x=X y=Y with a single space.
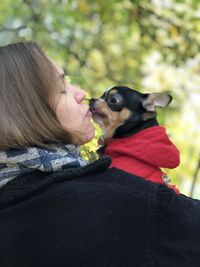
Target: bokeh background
x=151 y=46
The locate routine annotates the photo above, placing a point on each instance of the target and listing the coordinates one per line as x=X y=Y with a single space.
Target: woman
x=58 y=210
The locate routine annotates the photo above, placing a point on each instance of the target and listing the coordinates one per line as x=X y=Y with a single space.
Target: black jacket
x=96 y=217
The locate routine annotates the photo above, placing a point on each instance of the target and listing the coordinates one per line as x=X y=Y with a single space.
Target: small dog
x=132 y=136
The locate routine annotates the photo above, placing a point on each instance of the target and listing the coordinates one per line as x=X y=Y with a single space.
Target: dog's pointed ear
x=151 y=101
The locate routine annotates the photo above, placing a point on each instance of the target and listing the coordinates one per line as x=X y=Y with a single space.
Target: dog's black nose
x=92 y=101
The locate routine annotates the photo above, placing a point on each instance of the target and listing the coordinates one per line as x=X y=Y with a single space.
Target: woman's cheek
x=91 y=132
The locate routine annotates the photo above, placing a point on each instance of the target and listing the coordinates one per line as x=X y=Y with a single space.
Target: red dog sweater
x=144 y=153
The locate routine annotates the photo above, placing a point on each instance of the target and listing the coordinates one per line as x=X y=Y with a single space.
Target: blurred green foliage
x=148 y=45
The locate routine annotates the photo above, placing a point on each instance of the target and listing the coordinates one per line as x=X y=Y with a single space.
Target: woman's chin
x=89 y=136
x=85 y=137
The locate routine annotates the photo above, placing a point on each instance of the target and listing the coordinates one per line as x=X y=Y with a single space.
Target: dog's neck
x=127 y=130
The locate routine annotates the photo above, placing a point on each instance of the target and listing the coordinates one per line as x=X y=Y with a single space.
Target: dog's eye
x=115 y=99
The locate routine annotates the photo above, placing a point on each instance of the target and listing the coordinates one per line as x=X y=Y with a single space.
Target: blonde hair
x=27 y=86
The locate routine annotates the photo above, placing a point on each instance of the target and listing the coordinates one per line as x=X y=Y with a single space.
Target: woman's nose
x=80 y=95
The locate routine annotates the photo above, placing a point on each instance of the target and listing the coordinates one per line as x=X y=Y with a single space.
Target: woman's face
x=72 y=113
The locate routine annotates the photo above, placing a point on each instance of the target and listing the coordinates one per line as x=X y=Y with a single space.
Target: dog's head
x=120 y=110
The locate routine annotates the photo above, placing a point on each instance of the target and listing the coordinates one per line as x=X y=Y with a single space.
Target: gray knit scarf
x=14 y=162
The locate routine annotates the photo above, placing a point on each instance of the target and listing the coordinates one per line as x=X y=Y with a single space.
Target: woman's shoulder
x=95 y=176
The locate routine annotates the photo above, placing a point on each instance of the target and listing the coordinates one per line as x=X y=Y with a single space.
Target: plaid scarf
x=14 y=162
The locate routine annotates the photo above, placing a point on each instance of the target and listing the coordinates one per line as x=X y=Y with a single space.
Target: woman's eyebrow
x=62 y=76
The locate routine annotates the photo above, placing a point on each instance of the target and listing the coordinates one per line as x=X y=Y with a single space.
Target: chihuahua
x=131 y=134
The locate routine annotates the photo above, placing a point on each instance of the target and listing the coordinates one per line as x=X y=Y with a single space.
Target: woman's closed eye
x=64 y=90
x=67 y=84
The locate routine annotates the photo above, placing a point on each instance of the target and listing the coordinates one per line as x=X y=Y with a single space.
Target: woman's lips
x=89 y=113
